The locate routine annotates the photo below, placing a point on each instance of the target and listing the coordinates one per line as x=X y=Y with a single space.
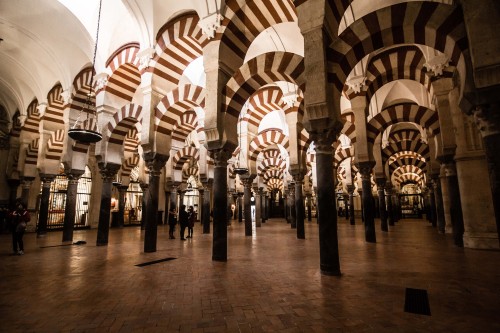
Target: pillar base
x=330 y=273
x=481 y=240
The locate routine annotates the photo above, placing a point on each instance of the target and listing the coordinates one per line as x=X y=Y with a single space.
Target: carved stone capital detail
x=487 y=120
x=220 y=157
x=108 y=171
x=209 y=24
x=47 y=179
x=365 y=169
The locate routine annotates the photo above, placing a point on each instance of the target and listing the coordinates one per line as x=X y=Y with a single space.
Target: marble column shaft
x=14 y=185
x=258 y=207
x=326 y=205
x=206 y=210
x=248 y=207
x=122 y=191
x=70 y=207
x=299 y=206
x=455 y=204
x=350 y=190
x=108 y=173
x=292 y=211
x=26 y=186
x=383 y=212
x=155 y=165
x=219 y=244
x=368 y=207
x=44 y=204
x=145 y=204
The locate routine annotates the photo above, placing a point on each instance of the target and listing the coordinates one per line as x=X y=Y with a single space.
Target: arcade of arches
x=377 y=110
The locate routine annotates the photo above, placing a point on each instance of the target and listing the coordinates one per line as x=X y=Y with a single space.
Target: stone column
x=26 y=186
x=438 y=202
x=219 y=245
x=206 y=207
x=265 y=203
x=201 y=195
x=487 y=119
x=240 y=207
x=70 y=208
x=145 y=203
x=298 y=179
x=326 y=205
x=236 y=208
x=350 y=190
x=432 y=204
x=381 y=199
x=365 y=169
x=292 y=214
x=108 y=173
x=446 y=202
x=122 y=191
x=155 y=165
x=390 y=207
x=173 y=197
x=258 y=207
x=309 y=208
x=228 y=208
x=44 y=204
x=14 y=185
x=455 y=203
x=247 y=185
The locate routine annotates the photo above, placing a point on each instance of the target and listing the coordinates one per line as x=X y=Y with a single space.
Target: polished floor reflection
x=271 y=283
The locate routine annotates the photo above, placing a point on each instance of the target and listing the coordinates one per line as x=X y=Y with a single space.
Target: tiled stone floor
x=271 y=283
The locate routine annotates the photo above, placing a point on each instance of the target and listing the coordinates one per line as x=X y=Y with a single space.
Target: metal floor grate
x=154 y=262
x=416 y=301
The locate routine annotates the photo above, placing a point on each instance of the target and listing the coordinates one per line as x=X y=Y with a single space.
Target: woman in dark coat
x=183 y=220
x=172 y=222
x=18 y=219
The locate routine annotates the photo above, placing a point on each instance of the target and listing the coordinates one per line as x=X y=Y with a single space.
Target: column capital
x=381 y=183
x=323 y=140
x=350 y=189
x=144 y=186
x=220 y=156
x=47 y=179
x=108 y=171
x=487 y=120
x=122 y=188
x=247 y=180
x=365 y=169
x=155 y=162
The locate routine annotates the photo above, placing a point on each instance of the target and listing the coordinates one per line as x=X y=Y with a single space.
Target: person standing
x=183 y=220
x=18 y=219
x=191 y=219
x=172 y=222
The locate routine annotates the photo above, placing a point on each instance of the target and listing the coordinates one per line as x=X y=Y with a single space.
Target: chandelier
x=85 y=130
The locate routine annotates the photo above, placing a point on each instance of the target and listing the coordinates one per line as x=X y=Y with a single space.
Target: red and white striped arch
x=417 y=147
x=433 y=24
x=32 y=152
x=271 y=163
x=409 y=178
x=406 y=112
x=188 y=123
x=402 y=63
x=32 y=122
x=188 y=172
x=124 y=121
x=54 y=113
x=125 y=77
x=81 y=89
x=342 y=153
x=415 y=160
x=179 y=42
x=55 y=145
x=273 y=173
x=398 y=172
x=169 y=111
x=131 y=141
x=259 y=71
x=15 y=130
x=183 y=155
x=272 y=153
x=129 y=164
x=349 y=130
x=246 y=19
x=261 y=103
x=274 y=184
x=264 y=140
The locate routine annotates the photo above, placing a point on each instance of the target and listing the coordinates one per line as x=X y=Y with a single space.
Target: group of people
x=186 y=220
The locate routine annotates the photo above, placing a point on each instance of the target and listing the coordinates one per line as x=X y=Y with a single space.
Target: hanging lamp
x=86 y=131
x=238 y=169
